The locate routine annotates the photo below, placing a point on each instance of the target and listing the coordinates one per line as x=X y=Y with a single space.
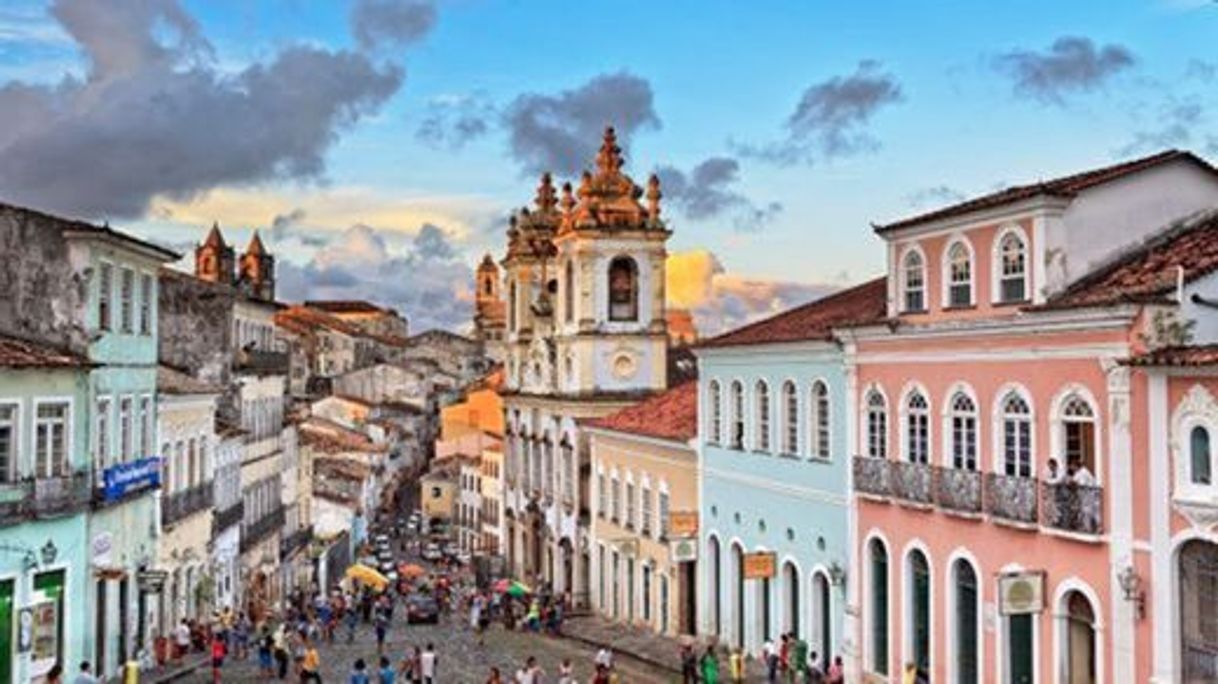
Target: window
x=126 y=310
x=645 y=510
x=917 y=428
x=919 y=614
x=145 y=436
x=124 y=428
x=105 y=288
x=662 y=507
x=51 y=440
x=915 y=282
x=568 y=291
x=878 y=632
x=1016 y=436
x=820 y=420
x=630 y=509
x=101 y=445
x=623 y=290
x=737 y=416
x=1199 y=456
x=877 y=426
x=167 y=467
x=960 y=275
x=512 y=306
x=761 y=441
x=716 y=412
x=145 y=304
x=790 y=418
x=1012 y=284
x=602 y=496
x=967 y=621
x=964 y=432
x=8 y=442
x=564 y=476
x=1078 y=425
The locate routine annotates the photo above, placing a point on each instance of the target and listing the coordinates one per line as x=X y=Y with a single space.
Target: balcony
x=1012 y=499
x=958 y=490
x=15 y=501
x=295 y=541
x=222 y=520
x=261 y=362
x=187 y=502
x=1072 y=508
x=261 y=528
x=913 y=482
x=871 y=476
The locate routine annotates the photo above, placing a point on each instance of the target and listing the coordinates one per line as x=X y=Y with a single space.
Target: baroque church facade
x=585 y=336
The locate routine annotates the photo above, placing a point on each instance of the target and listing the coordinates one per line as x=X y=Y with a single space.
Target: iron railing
x=224 y=519
x=15 y=501
x=871 y=476
x=56 y=496
x=1011 y=498
x=181 y=504
x=290 y=544
x=1072 y=507
x=259 y=361
x=262 y=528
x=913 y=482
x=958 y=490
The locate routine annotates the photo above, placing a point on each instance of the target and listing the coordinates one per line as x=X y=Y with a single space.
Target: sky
x=379 y=145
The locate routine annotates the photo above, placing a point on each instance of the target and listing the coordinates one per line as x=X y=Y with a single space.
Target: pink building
x=1002 y=489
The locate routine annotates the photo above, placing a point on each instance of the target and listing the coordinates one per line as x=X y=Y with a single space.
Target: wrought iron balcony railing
x=186 y=502
x=1010 y=498
x=872 y=476
x=295 y=541
x=913 y=482
x=1072 y=508
x=958 y=490
x=15 y=501
x=262 y=528
x=226 y=518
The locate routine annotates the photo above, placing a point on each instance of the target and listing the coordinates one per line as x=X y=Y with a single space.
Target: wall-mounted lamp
x=1131 y=586
x=837 y=574
x=49 y=553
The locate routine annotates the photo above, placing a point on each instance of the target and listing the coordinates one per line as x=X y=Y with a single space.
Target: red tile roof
x=1066 y=186
x=16 y=353
x=344 y=305
x=330 y=437
x=669 y=415
x=815 y=320
x=1201 y=355
x=1148 y=272
x=302 y=319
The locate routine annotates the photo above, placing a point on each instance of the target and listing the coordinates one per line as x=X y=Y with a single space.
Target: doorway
x=6 y=631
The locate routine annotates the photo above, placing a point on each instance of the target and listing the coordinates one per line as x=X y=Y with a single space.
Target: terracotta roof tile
x=331 y=437
x=669 y=415
x=813 y=321
x=344 y=305
x=1149 y=271
x=1065 y=186
x=16 y=353
x=1200 y=355
x=173 y=381
x=305 y=319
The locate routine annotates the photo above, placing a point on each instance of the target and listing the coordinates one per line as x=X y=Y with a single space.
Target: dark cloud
x=391 y=23
x=561 y=133
x=282 y=222
x=427 y=281
x=453 y=121
x=707 y=192
x=155 y=116
x=1072 y=64
x=1201 y=70
x=1177 y=123
x=830 y=117
x=938 y=194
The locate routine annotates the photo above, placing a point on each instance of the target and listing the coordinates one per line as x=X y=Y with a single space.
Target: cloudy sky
x=379 y=144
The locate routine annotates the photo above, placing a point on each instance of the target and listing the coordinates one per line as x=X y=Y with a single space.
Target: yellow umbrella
x=367 y=575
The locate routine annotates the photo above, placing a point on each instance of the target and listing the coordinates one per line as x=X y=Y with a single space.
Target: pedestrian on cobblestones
x=281 y=650
x=565 y=672
x=386 y=674
x=494 y=677
x=351 y=618
x=412 y=666
x=310 y=665
x=427 y=664
x=689 y=665
x=265 y=645
x=382 y=628
x=710 y=666
x=359 y=674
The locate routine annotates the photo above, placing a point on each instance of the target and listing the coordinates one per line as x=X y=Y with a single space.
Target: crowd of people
x=788 y=660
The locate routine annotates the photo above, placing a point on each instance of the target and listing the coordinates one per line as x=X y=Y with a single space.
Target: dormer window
x=623 y=290
x=959 y=275
x=1012 y=285
x=914 y=274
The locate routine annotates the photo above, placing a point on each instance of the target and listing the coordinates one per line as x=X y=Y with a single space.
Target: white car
x=432 y=552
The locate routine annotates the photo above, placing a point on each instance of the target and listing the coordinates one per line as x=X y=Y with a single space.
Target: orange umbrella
x=411 y=570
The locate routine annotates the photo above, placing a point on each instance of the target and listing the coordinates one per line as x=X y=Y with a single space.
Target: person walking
x=382 y=629
x=412 y=666
x=836 y=674
x=310 y=665
x=359 y=673
x=385 y=675
x=566 y=674
x=427 y=665
x=769 y=657
x=281 y=650
x=85 y=676
x=494 y=677
x=218 y=650
x=799 y=660
x=735 y=665
x=709 y=666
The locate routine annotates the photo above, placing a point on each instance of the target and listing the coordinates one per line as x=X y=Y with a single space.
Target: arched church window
x=623 y=290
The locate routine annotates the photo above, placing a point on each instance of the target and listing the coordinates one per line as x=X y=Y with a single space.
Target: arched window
x=790 y=418
x=918 y=625
x=917 y=428
x=1080 y=657
x=736 y=438
x=512 y=306
x=1012 y=285
x=568 y=292
x=716 y=583
x=1016 y=436
x=878 y=615
x=623 y=290
x=1199 y=456
x=761 y=440
x=964 y=432
x=966 y=623
x=790 y=581
x=716 y=412
x=959 y=275
x=1078 y=432
x=914 y=273
x=877 y=426
x=819 y=435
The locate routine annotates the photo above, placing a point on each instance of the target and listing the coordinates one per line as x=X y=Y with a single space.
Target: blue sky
x=724 y=80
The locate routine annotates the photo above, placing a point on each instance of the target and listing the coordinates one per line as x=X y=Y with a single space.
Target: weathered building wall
x=44 y=296
x=195 y=326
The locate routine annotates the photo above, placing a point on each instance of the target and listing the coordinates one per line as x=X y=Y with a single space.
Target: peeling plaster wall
x=196 y=327
x=44 y=281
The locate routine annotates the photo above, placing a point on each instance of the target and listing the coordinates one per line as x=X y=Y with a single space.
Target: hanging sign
x=1021 y=593
x=759 y=565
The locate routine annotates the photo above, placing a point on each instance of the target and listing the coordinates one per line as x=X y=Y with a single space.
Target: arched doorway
x=790 y=592
x=716 y=585
x=878 y=610
x=917 y=615
x=737 y=570
x=1198 y=582
x=965 y=622
x=820 y=627
x=1080 y=654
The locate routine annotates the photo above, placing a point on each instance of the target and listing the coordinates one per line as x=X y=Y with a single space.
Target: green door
x=6 y=632
x=1019 y=646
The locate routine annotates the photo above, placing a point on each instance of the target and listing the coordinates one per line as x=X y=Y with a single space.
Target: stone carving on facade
x=1197 y=407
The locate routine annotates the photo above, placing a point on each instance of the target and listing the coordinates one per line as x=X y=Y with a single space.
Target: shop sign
x=151 y=581
x=102 y=545
x=121 y=479
x=1021 y=593
x=683 y=523
x=683 y=550
x=759 y=565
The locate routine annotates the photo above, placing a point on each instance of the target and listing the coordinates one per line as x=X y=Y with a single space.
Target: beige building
x=645 y=478
x=438 y=493
x=186 y=428
x=491 y=500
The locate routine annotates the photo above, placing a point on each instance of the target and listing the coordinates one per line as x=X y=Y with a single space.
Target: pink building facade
x=1020 y=512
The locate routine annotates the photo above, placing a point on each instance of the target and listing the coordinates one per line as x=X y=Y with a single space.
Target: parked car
x=422 y=608
x=432 y=552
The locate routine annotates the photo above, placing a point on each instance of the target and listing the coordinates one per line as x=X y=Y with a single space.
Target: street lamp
x=837 y=574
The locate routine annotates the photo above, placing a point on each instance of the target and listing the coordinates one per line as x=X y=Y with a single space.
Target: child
x=359 y=674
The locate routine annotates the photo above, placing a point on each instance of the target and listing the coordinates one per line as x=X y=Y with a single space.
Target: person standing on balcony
x=1053 y=473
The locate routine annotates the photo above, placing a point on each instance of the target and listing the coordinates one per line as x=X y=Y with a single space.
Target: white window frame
x=998 y=429
x=14 y=425
x=1057 y=433
x=789 y=410
x=126 y=301
x=873 y=447
x=147 y=287
x=714 y=400
x=1198 y=408
x=950 y=414
x=763 y=406
x=126 y=427
x=736 y=424
x=997 y=264
x=946 y=268
x=820 y=425
x=908 y=416
x=103 y=433
x=912 y=251
x=67 y=435
x=105 y=296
